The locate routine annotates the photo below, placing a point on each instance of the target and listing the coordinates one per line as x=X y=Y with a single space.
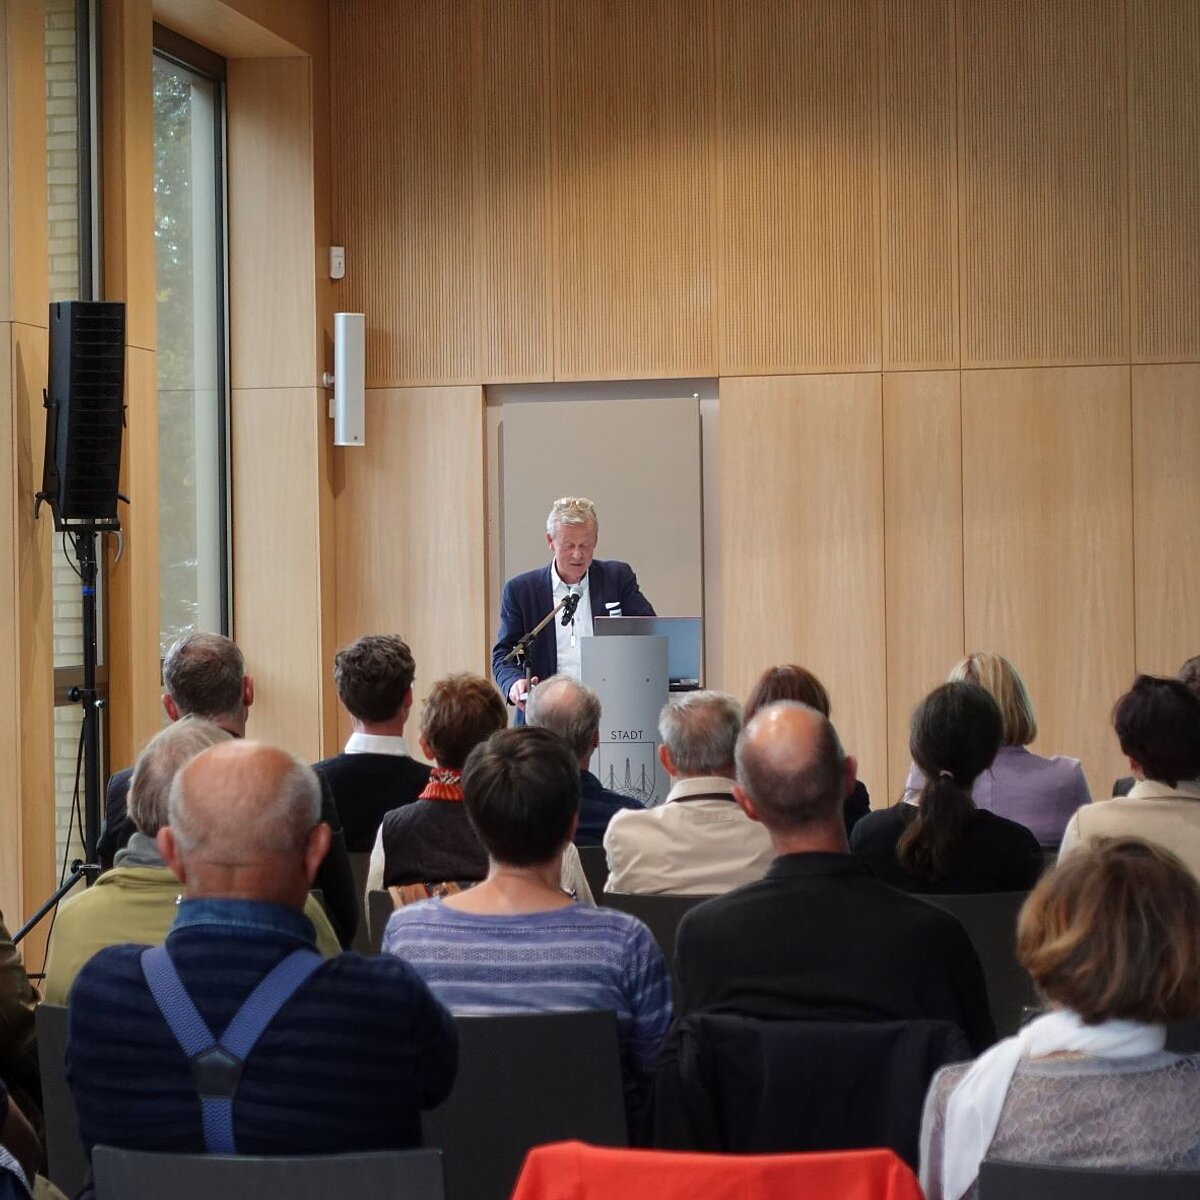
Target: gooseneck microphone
x=570 y=604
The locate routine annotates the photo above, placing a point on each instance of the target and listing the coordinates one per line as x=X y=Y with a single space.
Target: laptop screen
x=684 y=643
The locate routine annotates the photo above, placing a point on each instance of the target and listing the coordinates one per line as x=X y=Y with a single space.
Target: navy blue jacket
x=597 y=806
x=612 y=591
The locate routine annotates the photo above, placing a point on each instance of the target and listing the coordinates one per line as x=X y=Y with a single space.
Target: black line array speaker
x=85 y=413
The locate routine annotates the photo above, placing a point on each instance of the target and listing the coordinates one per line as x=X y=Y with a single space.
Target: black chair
x=137 y=1175
x=524 y=1080
x=595 y=869
x=380 y=906
x=360 y=864
x=990 y=920
x=68 y=1164
x=661 y=913
x=1034 y=1181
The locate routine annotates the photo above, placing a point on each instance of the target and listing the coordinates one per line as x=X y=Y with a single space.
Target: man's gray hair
x=790 y=792
x=700 y=729
x=567 y=707
x=203 y=674
x=571 y=510
x=276 y=821
x=159 y=763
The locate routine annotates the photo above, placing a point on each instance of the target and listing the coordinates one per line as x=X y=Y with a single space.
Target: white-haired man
x=605 y=589
x=698 y=842
x=235 y=1036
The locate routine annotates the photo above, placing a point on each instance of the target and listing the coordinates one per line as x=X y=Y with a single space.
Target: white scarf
x=973 y=1110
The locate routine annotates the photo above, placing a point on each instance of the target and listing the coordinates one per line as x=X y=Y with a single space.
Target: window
x=189 y=223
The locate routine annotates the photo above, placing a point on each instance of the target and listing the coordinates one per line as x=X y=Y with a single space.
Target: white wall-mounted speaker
x=348 y=406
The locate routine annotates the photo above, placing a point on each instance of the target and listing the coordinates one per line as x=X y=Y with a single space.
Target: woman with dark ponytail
x=938 y=841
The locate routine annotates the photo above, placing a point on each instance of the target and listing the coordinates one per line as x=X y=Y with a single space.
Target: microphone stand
x=519 y=654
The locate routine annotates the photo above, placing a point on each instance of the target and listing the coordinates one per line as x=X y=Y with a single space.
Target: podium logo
x=630 y=768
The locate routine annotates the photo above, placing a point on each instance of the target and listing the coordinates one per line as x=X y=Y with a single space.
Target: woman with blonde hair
x=1112 y=939
x=1038 y=792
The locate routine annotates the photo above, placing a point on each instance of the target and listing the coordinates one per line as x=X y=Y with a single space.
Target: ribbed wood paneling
x=402 y=184
x=923 y=530
x=276 y=559
x=1048 y=546
x=633 y=189
x=412 y=530
x=1164 y=200
x=1166 y=509
x=802 y=523
x=1043 y=186
x=799 y=179
x=918 y=181
x=272 y=257
x=512 y=137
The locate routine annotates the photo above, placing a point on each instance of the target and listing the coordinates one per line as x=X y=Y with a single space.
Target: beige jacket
x=1167 y=816
x=698 y=842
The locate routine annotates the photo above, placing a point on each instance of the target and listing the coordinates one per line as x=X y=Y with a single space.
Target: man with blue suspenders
x=236 y=1037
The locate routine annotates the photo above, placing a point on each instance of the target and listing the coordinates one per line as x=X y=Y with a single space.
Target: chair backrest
x=1183 y=1037
x=380 y=906
x=137 y=1175
x=1037 y=1181
x=68 y=1163
x=524 y=1080
x=741 y=1085
x=595 y=868
x=990 y=920
x=661 y=913
x=360 y=864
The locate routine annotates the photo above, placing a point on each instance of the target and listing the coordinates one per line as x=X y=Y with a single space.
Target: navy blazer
x=612 y=590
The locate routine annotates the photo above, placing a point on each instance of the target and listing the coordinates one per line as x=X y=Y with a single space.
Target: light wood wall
x=943 y=254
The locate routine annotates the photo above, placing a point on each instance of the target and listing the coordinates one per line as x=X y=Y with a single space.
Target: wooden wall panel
x=272 y=258
x=1043 y=185
x=1164 y=193
x=513 y=276
x=412 y=530
x=802 y=481
x=402 y=187
x=249 y=28
x=923 y=529
x=634 y=279
x=1166 y=511
x=276 y=559
x=799 y=178
x=918 y=182
x=1048 y=546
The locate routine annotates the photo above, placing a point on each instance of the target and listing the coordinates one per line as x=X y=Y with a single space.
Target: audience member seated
x=698 y=842
x=517 y=942
x=795 y=683
x=1039 y=793
x=1112 y=939
x=18 y=1036
x=204 y=676
x=1188 y=674
x=353 y=1047
x=375 y=773
x=429 y=847
x=572 y=710
x=20 y=1153
x=1158 y=725
x=136 y=901
x=820 y=937
x=939 y=841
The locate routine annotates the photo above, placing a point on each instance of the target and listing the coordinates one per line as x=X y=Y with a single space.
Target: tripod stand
x=84 y=541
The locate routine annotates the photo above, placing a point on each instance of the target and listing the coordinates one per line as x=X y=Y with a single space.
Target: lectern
x=630 y=676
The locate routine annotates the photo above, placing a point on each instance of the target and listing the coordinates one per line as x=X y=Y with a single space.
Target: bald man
x=820 y=937
x=351 y=1048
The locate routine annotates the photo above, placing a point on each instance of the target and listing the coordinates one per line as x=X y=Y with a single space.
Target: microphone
x=570 y=604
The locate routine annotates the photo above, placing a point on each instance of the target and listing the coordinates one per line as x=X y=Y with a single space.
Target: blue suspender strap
x=217 y=1066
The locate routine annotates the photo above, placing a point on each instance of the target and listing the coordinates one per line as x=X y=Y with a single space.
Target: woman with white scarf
x=1112 y=939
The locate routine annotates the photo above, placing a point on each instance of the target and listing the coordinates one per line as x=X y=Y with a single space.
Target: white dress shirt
x=377 y=743
x=580 y=626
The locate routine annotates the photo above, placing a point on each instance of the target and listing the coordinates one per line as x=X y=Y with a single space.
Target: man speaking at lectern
x=604 y=589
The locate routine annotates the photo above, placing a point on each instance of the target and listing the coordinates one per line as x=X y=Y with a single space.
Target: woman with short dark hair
x=938 y=841
x=1112 y=939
